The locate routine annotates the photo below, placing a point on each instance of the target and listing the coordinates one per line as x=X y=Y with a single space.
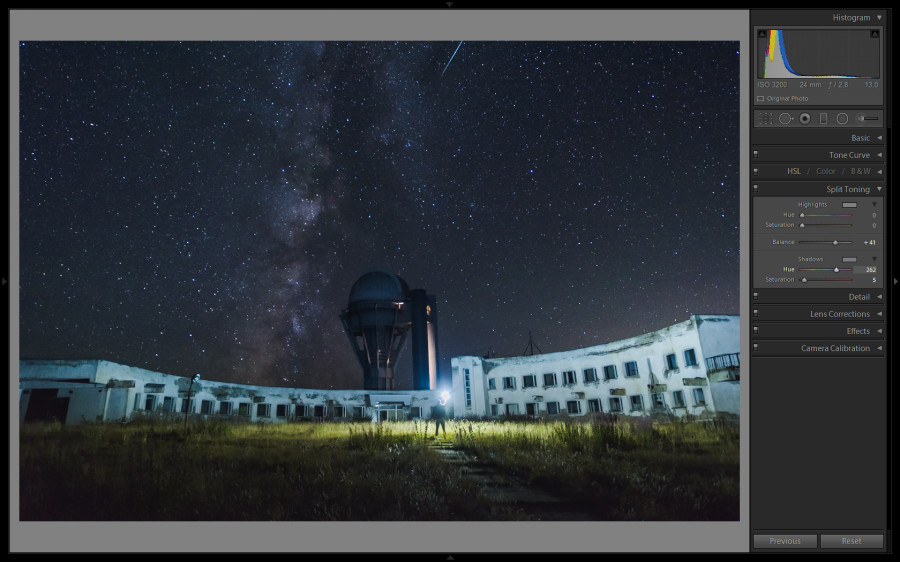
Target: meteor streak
x=451 y=57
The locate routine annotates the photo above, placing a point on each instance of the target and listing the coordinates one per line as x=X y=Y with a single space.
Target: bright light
x=444 y=397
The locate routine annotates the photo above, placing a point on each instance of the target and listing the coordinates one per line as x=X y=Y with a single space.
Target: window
x=244 y=409
x=338 y=411
x=609 y=372
x=549 y=379
x=281 y=411
x=509 y=383
x=468 y=390
x=299 y=411
x=150 y=403
x=137 y=401
x=615 y=404
x=594 y=405
x=569 y=377
x=168 y=404
x=678 y=399
x=512 y=409
x=263 y=410
x=493 y=409
x=699 y=399
x=552 y=408
x=187 y=405
x=206 y=406
x=671 y=362
x=529 y=381
x=415 y=412
x=225 y=408
x=631 y=369
x=590 y=375
x=531 y=408
x=637 y=403
x=491 y=384
x=573 y=406
x=690 y=358
x=657 y=401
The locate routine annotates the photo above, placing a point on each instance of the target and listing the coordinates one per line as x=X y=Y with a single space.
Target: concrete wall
x=727 y=396
x=119 y=392
x=648 y=352
x=85 y=401
x=52 y=369
x=719 y=334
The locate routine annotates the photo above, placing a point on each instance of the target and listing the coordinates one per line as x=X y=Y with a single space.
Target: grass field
x=215 y=471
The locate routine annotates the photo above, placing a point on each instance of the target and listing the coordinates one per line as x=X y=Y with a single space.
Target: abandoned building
x=688 y=368
x=74 y=392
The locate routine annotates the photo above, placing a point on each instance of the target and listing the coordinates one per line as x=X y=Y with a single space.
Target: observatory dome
x=379 y=285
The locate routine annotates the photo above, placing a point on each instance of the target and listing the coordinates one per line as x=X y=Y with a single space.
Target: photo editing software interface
x=814 y=398
x=820 y=230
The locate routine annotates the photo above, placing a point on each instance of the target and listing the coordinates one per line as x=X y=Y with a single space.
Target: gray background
x=366 y=537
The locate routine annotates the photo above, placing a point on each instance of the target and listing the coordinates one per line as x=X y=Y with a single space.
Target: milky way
x=206 y=206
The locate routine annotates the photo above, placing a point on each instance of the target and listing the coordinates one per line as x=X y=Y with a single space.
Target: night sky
x=205 y=207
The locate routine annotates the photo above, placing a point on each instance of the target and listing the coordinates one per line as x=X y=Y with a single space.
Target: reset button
x=852 y=541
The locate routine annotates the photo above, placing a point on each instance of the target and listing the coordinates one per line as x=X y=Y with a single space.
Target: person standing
x=438 y=414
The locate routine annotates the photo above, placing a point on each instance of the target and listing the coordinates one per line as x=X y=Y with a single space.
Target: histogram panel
x=818 y=53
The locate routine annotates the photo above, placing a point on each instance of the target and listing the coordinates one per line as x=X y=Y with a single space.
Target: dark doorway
x=44 y=406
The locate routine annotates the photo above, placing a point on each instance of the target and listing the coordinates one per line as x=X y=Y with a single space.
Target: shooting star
x=451 y=57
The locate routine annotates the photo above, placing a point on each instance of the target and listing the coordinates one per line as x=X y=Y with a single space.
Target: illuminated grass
x=620 y=469
x=626 y=469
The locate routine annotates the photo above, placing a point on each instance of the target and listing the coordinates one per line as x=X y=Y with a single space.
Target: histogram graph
x=818 y=53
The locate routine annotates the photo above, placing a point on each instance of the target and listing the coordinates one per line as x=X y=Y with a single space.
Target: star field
x=206 y=206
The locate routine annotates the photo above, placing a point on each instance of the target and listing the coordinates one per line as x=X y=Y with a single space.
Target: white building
x=689 y=368
x=94 y=390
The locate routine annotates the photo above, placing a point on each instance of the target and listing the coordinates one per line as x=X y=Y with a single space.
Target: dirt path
x=509 y=497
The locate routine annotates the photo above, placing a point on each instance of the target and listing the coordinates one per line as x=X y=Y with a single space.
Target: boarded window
x=690 y=358
x=637 y=403
x=699 y=398
x=631 y=369
x=671 y=361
